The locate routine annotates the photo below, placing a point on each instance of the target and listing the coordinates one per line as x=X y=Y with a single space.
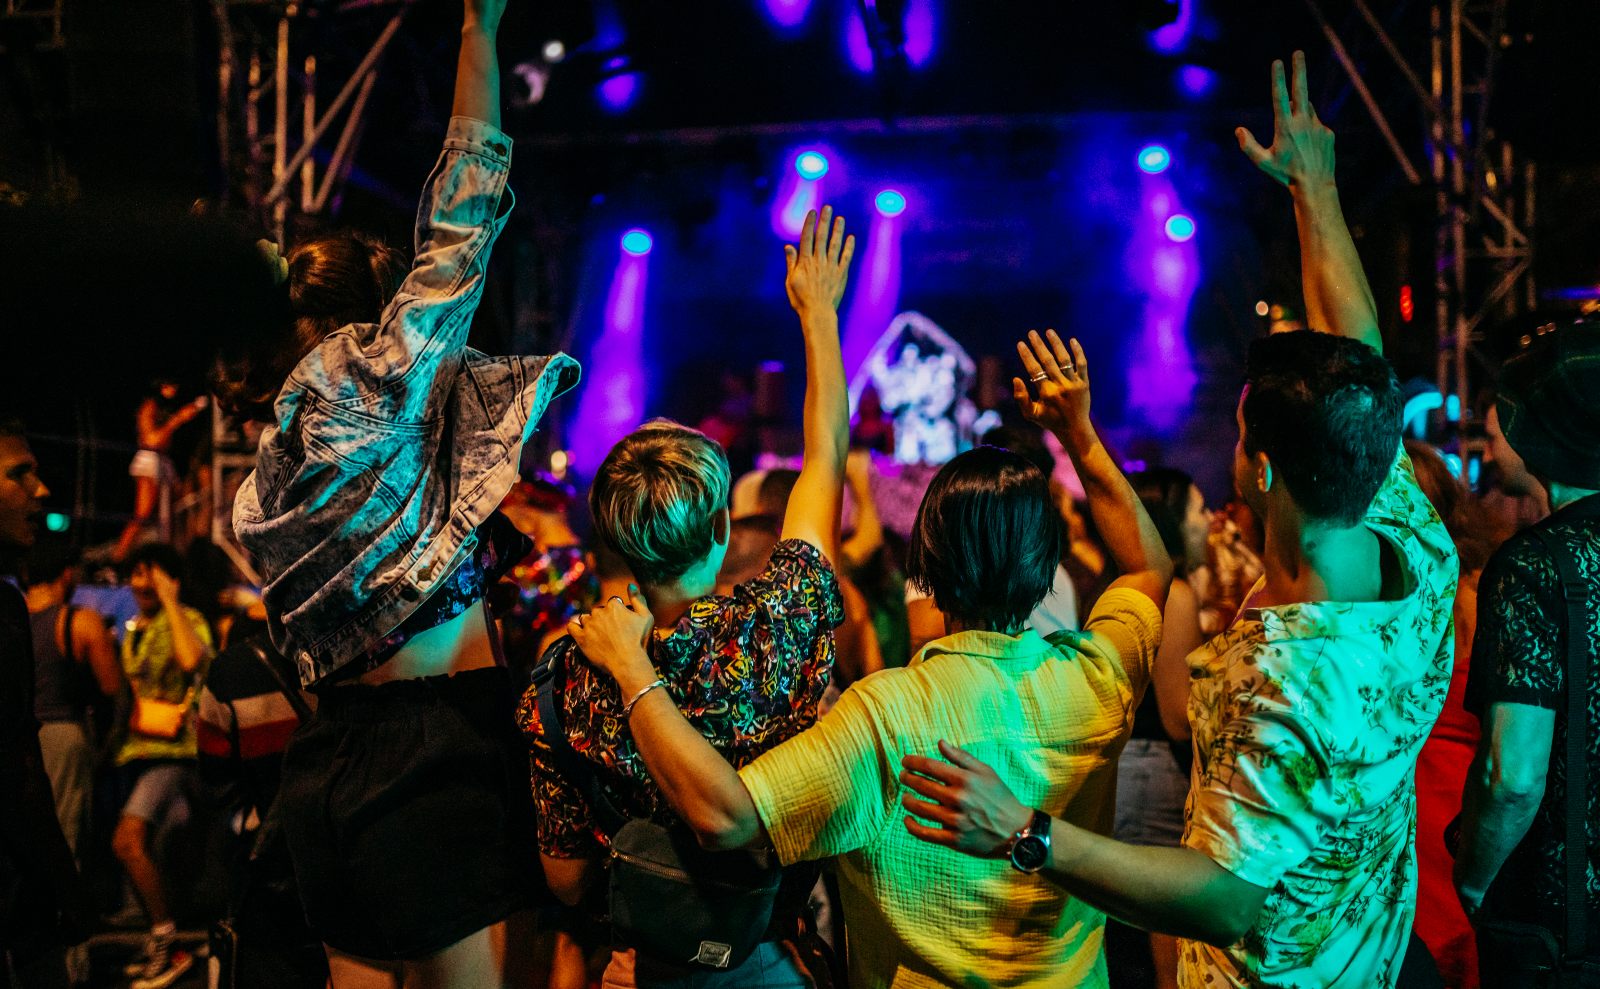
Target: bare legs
x=146 y=491
x=131 y=843
x=500 y=956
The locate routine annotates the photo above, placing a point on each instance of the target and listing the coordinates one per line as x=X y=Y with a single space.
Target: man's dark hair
x=162 y=555
x=1326 y=411
x=986 y=540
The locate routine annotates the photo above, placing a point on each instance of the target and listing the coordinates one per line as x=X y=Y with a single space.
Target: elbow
x=1175 y=725
x=1521 y=791
x=1227 y=926
x=720 y=832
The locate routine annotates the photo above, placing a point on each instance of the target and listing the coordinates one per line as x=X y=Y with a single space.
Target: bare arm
x=698 y=783
x=1062 y=406
x=1173 y=890
x=1338 y=298
x=187 y=647
x=569 y=879
x=1504 y=789
x=868 y=535
x=477 y=93
x=92 y=645
x=1180 y=635
x=817 y=272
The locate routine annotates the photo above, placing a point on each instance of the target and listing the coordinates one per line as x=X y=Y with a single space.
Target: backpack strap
x=1576 y=592
x=550 y=686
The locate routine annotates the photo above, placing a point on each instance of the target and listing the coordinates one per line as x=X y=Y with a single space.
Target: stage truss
x=1483 y=191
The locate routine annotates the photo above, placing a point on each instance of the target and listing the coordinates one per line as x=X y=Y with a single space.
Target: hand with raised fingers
x=1056 y=395
x=970 y=808
x=1301 y=154
x=819 y=267
x=612 y=638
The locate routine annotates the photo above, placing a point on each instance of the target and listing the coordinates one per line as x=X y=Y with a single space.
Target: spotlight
x=554 y=51
x=1154 y=159
x=56 y=522
x=1179 y=227
x=1262 y=308
x=811 y=165
x=637 y=242
x=890 y=202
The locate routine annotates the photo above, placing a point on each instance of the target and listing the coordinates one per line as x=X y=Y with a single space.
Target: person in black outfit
x=42 y=905
x=1511 y=863
x=250 y=706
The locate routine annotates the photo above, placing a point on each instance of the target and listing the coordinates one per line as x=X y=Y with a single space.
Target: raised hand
x=1061 y=380
x=970 y=807
x=1302 y=146
x=612 y=638
x=819 y=267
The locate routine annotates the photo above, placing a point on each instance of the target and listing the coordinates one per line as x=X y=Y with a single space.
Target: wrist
x=1078 y=438
x=1316 y=191
x=636 y=676
x=473 y=26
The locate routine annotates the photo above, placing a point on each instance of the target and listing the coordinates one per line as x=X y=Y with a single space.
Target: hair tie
x=280 y=264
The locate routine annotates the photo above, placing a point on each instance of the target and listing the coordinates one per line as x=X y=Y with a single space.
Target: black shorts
x=408 y=814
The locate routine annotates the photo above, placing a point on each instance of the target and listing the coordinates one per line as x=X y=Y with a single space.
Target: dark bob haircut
x=1326 y=411
x=987 y=539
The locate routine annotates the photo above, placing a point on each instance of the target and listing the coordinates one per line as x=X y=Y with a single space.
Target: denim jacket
x=392 y=441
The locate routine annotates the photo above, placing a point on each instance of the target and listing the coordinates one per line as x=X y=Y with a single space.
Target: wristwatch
x=1030 y=847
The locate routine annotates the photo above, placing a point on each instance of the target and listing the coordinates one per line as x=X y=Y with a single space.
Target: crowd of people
x=473 y=730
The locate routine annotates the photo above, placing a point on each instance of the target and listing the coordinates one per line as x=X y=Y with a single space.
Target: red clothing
x=1441 y=774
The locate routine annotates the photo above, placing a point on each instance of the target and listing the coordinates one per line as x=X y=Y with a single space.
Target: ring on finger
x=1039 y=377
x=1070 y=368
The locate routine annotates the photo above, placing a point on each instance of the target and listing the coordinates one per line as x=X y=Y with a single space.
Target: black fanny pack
x=669 y=898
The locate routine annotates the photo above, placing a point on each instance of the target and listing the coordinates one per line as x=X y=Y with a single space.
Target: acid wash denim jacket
x=393 y=441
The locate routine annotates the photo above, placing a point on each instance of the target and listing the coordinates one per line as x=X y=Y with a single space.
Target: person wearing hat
x=1511 y=861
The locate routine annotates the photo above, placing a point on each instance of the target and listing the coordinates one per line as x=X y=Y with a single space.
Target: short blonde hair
x=655 y=497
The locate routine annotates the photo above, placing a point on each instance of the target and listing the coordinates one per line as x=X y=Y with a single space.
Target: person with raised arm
x=1298 y=864
x=370 y=514
x=748 y=668
x=985 y=545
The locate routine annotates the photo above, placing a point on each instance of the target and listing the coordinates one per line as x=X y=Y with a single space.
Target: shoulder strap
x=70 y=612
x=550 y=684
x=292 y=694
x=1576 y=592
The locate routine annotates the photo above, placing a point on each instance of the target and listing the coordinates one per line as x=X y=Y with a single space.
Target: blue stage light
x=1179 y=227
x=890 y=202
x=57 y=522
x=637 y=242
x=811 y=165
x=1154 y=159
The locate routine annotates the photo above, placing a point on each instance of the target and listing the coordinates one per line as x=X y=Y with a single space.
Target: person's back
x=1051 y=714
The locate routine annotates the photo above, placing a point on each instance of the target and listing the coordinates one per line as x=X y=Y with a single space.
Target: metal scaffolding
x=1484 y=193
x=272 y=136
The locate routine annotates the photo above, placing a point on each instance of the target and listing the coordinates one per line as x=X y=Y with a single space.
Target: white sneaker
x=177 y=963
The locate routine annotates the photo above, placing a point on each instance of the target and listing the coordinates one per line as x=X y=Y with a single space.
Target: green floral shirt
x=153 y=672
x=1307 y=723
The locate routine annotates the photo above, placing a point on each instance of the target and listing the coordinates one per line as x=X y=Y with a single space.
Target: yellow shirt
x=1049 y=716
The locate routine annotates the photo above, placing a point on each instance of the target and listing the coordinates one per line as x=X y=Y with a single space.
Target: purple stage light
x=618 y=92
x=787 y=14
x=637 y=242
x=857 y=47
x=890 y=202
x=919 y=32
x=876 y=297
x=811 y=164
x=1154 y=159
x=1196 y=80
x=1170 y=38
x=1179 y=228
x=613 y=401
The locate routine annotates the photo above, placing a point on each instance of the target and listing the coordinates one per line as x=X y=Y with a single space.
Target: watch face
x=1030 y=853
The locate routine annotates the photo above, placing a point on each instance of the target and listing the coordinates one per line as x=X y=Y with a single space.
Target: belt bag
x=675 y=901
x=159 y=719
x=669 y=898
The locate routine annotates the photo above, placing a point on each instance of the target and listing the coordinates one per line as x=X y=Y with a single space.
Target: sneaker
x=177 y=963
x=153 y=957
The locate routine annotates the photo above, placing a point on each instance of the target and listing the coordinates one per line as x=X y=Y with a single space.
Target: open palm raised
x=1059 y=400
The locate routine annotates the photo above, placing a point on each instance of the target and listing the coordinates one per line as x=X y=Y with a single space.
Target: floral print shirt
x=747 y=670
x=1308 y=719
